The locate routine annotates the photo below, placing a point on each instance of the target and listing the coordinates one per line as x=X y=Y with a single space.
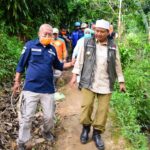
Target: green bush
x=126 y=115
x=132 y=109
x=10 y=48
x=131 y=47
x=138 y=86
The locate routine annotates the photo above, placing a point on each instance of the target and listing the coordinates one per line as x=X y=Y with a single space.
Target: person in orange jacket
x=59 y=45
x=61 y=50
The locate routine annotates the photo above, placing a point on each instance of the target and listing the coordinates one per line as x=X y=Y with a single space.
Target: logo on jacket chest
x=51 y=52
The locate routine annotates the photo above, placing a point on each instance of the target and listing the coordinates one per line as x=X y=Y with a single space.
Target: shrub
x=9 y=52
x=132 y=109
x=126 y=115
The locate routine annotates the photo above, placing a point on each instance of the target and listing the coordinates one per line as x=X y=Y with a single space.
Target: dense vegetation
x=133 y=107
x=9 y=54
x=19 y=21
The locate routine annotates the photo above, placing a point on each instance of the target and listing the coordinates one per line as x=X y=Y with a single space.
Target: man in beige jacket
x=98 y=64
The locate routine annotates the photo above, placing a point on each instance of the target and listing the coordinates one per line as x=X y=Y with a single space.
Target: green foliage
x=22 y=18
x=9 y=53
x=132 y=46
x=133 y=23
x=133 y=108
x=126 y=120
x=83 y=10
x=138 y=86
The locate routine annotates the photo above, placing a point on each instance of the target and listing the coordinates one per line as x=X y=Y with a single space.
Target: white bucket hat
x=102 y=24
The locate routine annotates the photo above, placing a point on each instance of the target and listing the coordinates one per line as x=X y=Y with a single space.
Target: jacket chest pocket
x=49 y=58
x=37 y=56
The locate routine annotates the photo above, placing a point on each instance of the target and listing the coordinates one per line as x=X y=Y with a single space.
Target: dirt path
x=69 y=131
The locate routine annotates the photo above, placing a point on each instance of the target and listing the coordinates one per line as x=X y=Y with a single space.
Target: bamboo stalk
x=119 y=20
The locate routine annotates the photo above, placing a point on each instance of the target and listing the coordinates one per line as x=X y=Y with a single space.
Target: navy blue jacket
x=39 y=62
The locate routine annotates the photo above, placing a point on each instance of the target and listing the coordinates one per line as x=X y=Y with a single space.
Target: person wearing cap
x=87 y=34
x=83 y=27
x=98 y=64
x=38 y=58
x=59 y=45
x=64 y=34
x=61 y=50
x=75 y=35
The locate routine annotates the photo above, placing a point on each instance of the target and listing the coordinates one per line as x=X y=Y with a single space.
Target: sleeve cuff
x=62 y=65
x=121 y=79
x=20 y=69
x=76 y=71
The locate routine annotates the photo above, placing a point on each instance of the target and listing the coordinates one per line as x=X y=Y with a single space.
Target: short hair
x=45 y=25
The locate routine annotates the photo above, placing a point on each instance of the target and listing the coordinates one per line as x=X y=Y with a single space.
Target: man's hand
x=73 y=80
x=122 y=87
x=16 y=87
x=68 y=65
x=73 y=61
x=17 y=82
x=64 y=61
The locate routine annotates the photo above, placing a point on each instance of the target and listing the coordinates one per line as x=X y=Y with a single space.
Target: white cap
x=55 y=30
x=102 y=24
x=83 y=25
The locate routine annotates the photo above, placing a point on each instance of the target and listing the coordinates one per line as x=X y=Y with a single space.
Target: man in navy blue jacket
x=39 y=58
